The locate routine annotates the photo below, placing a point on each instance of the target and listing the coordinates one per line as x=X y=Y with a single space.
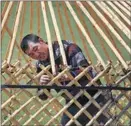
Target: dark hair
x=28 y=38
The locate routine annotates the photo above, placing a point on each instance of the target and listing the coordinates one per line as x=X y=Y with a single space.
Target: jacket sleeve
x=76 y=58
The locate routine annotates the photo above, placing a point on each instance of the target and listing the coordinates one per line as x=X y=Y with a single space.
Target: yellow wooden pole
x=85 y=33
x=103 y=35
x=6 y=14
x=57 y=33
x=48 y=38
x=14 y=32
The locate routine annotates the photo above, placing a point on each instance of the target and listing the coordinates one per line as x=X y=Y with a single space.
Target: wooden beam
x=4 y=9
x=98 y=36
x=31 y=16
x=14 y=32
x=57 y=33
x=48 y=37
x=6 y=14
x=114 y=18
x=38 y=17
x=110 y=27
x=103 y=35
x=118 y=11
x=125 y=5
x=85 y=33
x=123 y=8
x=81 y=35
x=22 y=28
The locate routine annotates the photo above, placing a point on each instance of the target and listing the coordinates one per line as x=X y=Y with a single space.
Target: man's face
x=38 y=51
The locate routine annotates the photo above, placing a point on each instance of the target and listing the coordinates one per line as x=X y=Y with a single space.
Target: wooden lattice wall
x=101 y=29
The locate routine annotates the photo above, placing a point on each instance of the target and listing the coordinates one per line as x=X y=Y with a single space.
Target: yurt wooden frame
x=22 y=107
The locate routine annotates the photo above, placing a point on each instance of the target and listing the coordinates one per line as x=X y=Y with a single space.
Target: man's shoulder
x=38 y=63
x=69 y=46
x=64 y=42
x=68 y=41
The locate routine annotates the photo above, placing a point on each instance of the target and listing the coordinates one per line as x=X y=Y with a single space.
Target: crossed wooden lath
x=34 y=110
x=109 y=20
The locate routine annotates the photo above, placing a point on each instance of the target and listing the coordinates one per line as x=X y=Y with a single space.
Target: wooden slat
x=79 y=94
x=57 y=33
x=122 y=8
x=36 y=114
x=18 y=110
x=119 y=115
x=17 y=116
x=48 y=38
x=114 y=18
x=124 y=110
x=48 y=103
x=84 y=33
x=95 y=31
x=113 y=116
x=119 y=12
x=81 y=36
x=11 y=34
x=13 y=79
x=22 y=28
x=69 y=23
x=74 y=101
x=9 y=100
x=110 y=27
x=18 y=73
x=4 y=28
x=14 y=32
x=128 y=2
x=6 y=14
x=4 y=9
x=121 y=108
x=68 y=94
x=63 y=109
x=61 y=19
x=103 y=35
x=31 y=16
x=38 y=17
x=125 y=5
x=98 y=114
x=83 y=108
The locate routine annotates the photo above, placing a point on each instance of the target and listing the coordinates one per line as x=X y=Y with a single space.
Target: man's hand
x=44 y=79
x=64 y=78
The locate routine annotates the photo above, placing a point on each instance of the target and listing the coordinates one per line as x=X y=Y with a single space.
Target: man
x=37 y=49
